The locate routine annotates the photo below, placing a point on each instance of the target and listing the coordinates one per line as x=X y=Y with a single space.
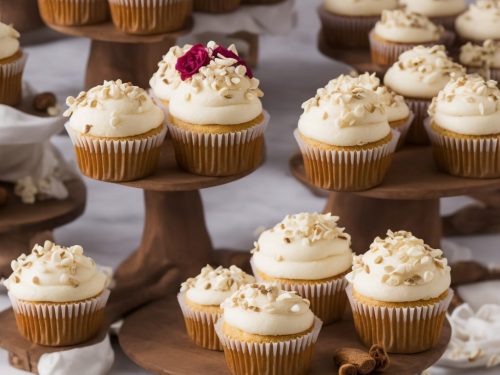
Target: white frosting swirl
x=113 y=109
x=305 y=246
x=166 y=79
x=9 y=41
x=468 y=105
x=481 y=21
x=359 y=7
x=421 y=72
x=266 y=310
x=436 y=8
x=402 y=26
x=53 y=273
x=212 y=286
x=221 y=93
x=484 y=56
x=400 y=268
x=344 y=114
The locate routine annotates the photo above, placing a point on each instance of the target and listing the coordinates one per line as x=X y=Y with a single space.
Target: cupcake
x=480 y=22
x=117 y=131
x=145 y=17
x=266 y=330
x=309 y=254
x=58 y=295
x=482 y=59
x=216 y=6
x=73 y=12
x=215 y=115
x=12 y=62
x=399 y=293
x=440 y=12
x=465 y=127
x=347 y=23
x=418 y=76
x=345 y=137
x=399 y=31
x=200 y=298
x=167 y=78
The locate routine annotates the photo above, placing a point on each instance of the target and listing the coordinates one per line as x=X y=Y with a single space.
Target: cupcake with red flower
x=216 y=117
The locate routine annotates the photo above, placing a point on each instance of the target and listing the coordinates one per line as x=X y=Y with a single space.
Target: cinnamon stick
x=378 y=353
x=360 y=359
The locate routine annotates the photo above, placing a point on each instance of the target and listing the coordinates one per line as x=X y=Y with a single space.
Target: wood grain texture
x=155 y=338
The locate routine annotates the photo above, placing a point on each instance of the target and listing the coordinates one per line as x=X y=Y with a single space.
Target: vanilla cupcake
x=480 y=22
x=117 y=131
x=307 y=253
x=12 y=62
x=200 y=298
x=74 y=12
x=399 y=31
x=419 y=75
x=346 y=23
x=399 y=276
x=167 y=78
x=345 y=137
x=266 y=330
x=440 y=12
x=215 y=115
x=58 y=295
x=482 y=59
x=465 y=127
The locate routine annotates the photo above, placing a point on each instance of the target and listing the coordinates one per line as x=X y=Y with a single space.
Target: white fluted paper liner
x=11 y=86
x=403 y=130
x=14 y=67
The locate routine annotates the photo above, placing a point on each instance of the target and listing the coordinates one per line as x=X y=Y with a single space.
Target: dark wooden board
x=155 y=338
x=413 y=176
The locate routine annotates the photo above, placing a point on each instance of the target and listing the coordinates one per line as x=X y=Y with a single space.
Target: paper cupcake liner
x=116 y=160
x=222 y=154
x=347 y=170
x=11 y=78
x=292 y=357
x=146 y=17
x=346 y=31
x=416 y=133
x=200 y=326
x=403 y=130
x=386 y=53
x=216 y=6
x=60 y=324
x=328 y=299
x=399 y=330
x=74 y=12
x=466 y=157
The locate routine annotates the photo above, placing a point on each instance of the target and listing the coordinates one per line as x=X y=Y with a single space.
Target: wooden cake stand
x=23 y=224
x=116 y=55
x=155 y=338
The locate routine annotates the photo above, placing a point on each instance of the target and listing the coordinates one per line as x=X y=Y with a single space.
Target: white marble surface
x=291 y=69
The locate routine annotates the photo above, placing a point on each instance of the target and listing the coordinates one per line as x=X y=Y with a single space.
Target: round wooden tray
x=155 y=338
x=413 y=176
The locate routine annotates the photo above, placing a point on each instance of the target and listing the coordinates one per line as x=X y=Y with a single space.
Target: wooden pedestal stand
x=21 y=225
x=115 y=55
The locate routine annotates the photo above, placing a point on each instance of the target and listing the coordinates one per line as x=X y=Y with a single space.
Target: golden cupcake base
x=11 y=79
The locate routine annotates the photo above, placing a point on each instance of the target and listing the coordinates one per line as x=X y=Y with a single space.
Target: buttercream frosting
x=212 y=286
x=484 y=56
x=9 y=41
x=113 y=109
x=344 y=114
x=436 y=8
x=53 y=273
x=468 y=105
x=421 y=72
x=481 y=21
x=166 y=79
x=400 y=268
x=403 y=26
x=220 y=93
x=359 y=7
x=267 y=310
x=305 y=246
